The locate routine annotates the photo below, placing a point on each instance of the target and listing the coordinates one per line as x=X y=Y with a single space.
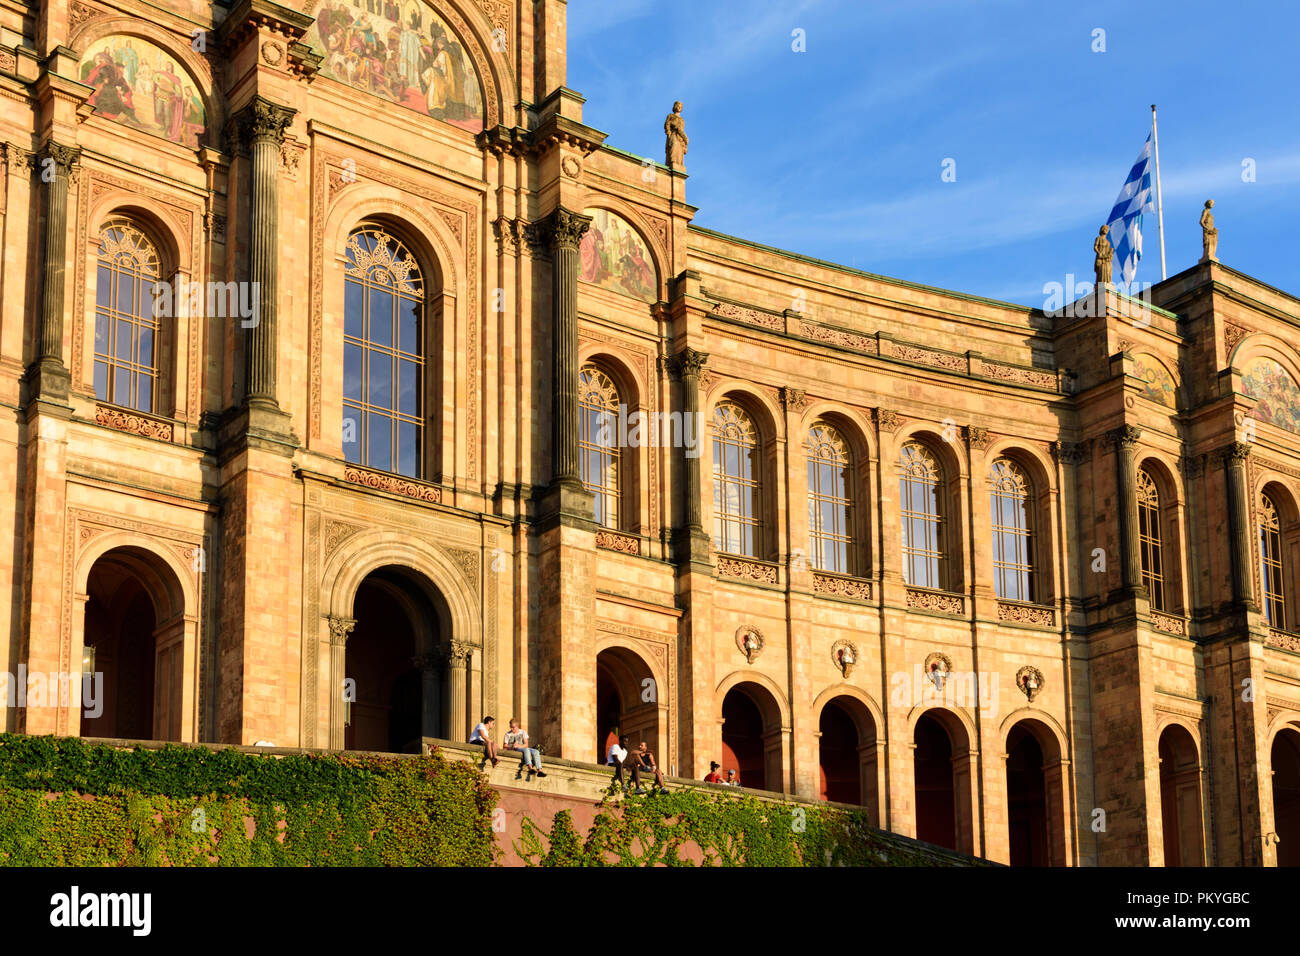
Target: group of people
x=154 y=98
x=530 y=758
x=618 y=755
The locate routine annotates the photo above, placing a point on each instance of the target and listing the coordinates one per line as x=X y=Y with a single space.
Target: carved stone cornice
x=340 y=628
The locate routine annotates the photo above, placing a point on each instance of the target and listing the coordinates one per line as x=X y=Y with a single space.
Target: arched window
x=383 y=354
x=737 y=525
x=598 y=402
x=1013 y=544
x=1270 y=548
x=921 y=507
x=1149 y=539
x=126 y=322
x=830 y=504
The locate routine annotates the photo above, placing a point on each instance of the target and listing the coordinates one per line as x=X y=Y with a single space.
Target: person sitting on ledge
x=530 y=758
x=713 y=776
x=614 y=757
x=482 y=736
x=643 y=761
x=732 y=780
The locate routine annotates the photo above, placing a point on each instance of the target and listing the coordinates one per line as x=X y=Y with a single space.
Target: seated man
x=615 y=755
x=643 y=761
x=530 y=758
x=482 y=736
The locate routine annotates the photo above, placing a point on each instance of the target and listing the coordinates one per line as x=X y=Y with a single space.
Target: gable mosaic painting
x=1279 y=399
x=615 y=257
x=1158 y=384
x=141 y=85
x=403 y=52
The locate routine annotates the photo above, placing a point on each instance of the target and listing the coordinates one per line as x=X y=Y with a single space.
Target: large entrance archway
x=752 y=737
x=1285 y=761
x=403 y=677
x=629 y=701
x=941 y=769
x=1180 y=798
x=847 y=767
x=133 y=641
x=1035 y=796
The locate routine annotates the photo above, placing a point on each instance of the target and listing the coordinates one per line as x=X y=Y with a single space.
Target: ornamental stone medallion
x=1030 y=681
x=750 y=641
x=845 y=655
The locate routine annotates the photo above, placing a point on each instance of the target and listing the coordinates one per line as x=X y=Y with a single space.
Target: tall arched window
x=126 y=322
x=1270 y=548
x=1149 y=539
x=737 y=522
x=598 y=402
x=830 y=504
x=383 y=354
x=921 y=506
x=1013 y=551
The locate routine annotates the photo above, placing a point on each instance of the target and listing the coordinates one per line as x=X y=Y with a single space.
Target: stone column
x=261 y=127
x=456 y=725
x=340 y=628
x=430 y=666
x=1125 y=439
x=691 y=362
x=57 y=165
x=564 y=231
x=1239 y=530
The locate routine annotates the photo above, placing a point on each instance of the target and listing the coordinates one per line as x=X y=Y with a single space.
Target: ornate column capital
x=260 y=121
x=1068 y=452
x=562 y=229
x=340 y=628
x=1237 y=452
x=1125 y=436
x=794 y=399
x=65 y=158
x=688 y=362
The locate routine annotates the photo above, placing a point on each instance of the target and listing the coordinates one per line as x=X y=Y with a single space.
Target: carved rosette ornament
x=937 y=667
x=1030 y=682
x=750 y=641
x=845 y=655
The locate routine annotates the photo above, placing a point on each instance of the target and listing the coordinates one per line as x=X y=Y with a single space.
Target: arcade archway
x=752 y=737
x=942 y=775
x=847 y=766
x=1180 y=798
x=1285 y=761
x=1035 y=796
x=629 y=701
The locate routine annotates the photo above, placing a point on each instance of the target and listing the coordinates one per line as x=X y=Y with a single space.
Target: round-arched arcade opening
x=752 y=738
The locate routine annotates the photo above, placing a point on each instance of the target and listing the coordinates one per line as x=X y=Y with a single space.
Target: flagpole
x=1160 y=208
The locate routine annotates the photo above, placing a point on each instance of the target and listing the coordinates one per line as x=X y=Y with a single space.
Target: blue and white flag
x=1126 y=218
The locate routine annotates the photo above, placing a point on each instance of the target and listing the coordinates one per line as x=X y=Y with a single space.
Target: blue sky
x=837 y=152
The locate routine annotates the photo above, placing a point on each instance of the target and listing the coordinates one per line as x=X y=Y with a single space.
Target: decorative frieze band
x=747 y=570
x=1284 y=640
x=766 y=320
x=941 y=601
x=623 y=543
x=1169 y=624
x=841 y=586
x=848 y=340
x=1026 y=613
x=133 y=422
x=393 y=484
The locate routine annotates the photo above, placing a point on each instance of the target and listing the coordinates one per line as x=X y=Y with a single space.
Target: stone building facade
x=354 y=388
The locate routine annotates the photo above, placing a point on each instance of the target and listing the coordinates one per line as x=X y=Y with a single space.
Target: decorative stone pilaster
x=340 y=628
x=562 y=232
x=57 y=166
x=1125 y=439
x=260 y=128
x=1234 y=469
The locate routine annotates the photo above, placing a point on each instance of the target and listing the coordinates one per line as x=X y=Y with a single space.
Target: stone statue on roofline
x=675 y=130
x=1209 y=235
x=1105 y=253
